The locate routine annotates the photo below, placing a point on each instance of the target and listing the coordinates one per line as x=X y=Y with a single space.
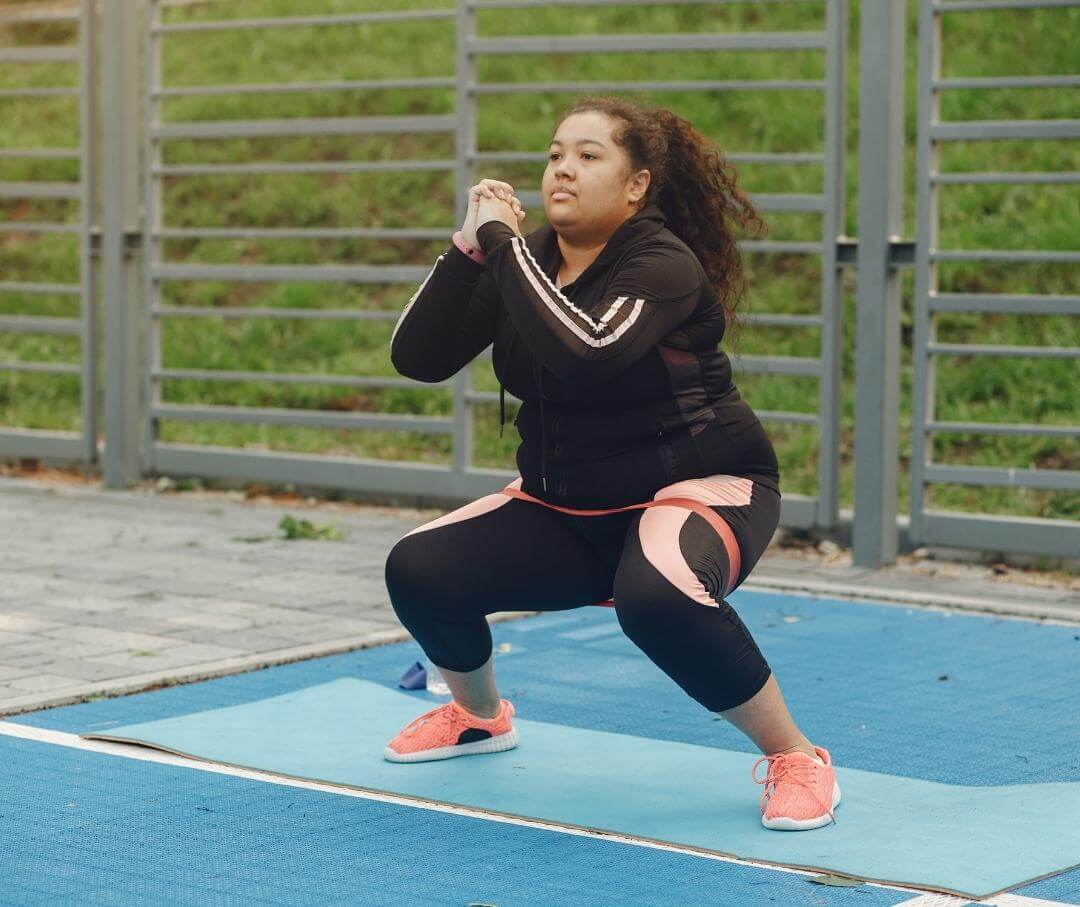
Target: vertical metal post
x=877 y=317
x=465 y=142
x=124 y=403
x=926 y=240
x=88 y=211
x=832 y=294
x=152 y=221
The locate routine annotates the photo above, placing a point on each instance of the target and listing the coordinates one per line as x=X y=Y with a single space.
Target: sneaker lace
x=444 y=715
x=783 y=767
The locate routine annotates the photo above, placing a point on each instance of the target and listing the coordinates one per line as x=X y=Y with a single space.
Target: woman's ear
x=639 y=185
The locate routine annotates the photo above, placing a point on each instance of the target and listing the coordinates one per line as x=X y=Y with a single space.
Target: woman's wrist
x=473 y=252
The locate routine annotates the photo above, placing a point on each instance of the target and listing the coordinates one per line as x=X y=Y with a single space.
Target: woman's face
x=583 y=160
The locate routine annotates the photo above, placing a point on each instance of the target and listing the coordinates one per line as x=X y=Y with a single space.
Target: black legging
x=667 y=567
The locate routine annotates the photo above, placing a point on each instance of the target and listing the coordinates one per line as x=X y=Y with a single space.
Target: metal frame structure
x=1039 y=536
x=461 y=479
x=64 y=446
x=134 y=268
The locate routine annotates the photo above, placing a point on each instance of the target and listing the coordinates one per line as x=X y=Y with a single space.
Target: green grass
x=987 y=216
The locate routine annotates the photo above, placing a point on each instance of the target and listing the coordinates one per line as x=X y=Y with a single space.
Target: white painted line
x=146 y=754
x=999 y=900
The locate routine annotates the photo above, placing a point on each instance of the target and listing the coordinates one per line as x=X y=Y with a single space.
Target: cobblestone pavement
x=110 y=592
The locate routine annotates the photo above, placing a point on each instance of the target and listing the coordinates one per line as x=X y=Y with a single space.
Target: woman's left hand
x=496 y=208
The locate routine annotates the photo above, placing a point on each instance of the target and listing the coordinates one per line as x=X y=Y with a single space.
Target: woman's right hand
x=490 y=189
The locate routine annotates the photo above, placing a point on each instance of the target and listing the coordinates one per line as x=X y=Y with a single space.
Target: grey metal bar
x=21 y=18
x=42 y=54
x=238 y=129
x=426 y=481
x=184 y=91
x=978 y=130
x=465 y=146
x=923 y=365
x=47 y=445
x=778 y=365
x=59 y=289
x=781 y=247
x=303 y=233
x=1006 y=428
x=1007 y=82
x=29 y=324
x=88 y=309
x=39 y=92
x=1003 y=304
x=152 y=224
x=1071 y=176
x=46 y=368
x=40 y=190
x=970 y=6
x=1057 y=538
x=877 y=345
x=672 y=85
x=202 y=374
x=1049 y=479
x=736 y=157
x=293 y=273
x=419 y=15
x=644 y=43
x=783 y=320
x=39 y=154
x=524 y=4
x=202 y=311
x=1004 y=255
x=832 y=206
x=982 y=349
x=120 y=216
x=307 y=167
x=310 y=418
x=25 y=226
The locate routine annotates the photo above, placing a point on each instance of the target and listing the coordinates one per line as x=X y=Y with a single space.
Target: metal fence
x=135 y=269
x=1051 y=536
x=78 y=445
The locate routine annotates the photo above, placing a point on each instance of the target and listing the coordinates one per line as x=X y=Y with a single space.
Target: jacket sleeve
x=652 y=292
x=448 y=321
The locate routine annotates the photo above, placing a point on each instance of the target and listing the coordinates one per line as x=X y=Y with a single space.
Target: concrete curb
x=140 y=683
x=1043 y=611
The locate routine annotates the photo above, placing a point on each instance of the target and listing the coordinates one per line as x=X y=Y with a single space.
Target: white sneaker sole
x=490 y=745
x=783 y=823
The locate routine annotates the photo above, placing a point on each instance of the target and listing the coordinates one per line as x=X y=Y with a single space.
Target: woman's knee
x=411 y=576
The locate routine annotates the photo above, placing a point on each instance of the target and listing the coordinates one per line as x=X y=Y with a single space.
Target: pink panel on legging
x=468 y=511
x=660 y=526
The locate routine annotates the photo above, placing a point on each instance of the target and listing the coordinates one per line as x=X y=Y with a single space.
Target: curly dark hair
x=691 y=182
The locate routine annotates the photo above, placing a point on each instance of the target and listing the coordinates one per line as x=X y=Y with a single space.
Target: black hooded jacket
x=623 y=386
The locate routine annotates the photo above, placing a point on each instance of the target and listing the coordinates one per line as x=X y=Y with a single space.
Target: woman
x=644 y=475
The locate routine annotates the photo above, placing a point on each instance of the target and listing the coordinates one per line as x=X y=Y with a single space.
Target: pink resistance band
x=702 y=510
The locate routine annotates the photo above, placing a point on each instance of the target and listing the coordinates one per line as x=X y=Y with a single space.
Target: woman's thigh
x=497 y=553
x=677 y=539
x=673 y=578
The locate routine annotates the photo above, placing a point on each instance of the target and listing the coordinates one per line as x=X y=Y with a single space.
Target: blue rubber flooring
x=963 y=699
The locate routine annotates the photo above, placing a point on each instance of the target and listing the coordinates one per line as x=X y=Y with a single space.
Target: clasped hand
x=491 y=200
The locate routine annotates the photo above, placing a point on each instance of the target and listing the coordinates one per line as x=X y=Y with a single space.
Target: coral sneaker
x=800 y=793
x=449 y=730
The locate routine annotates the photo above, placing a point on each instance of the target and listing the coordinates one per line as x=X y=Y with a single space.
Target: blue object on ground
x=972 y=841
x=415 y=678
